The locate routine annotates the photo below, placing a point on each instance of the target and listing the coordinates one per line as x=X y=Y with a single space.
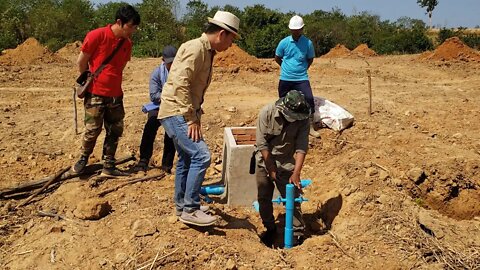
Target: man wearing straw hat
x=181 y=111
x=282 y=143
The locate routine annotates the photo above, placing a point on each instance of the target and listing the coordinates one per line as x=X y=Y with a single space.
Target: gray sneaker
x=203 y=208
x=197 y=218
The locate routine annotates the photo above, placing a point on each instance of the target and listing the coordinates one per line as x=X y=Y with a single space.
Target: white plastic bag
x=331 y=115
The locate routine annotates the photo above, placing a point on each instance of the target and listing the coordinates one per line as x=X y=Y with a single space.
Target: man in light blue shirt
x=157 y=81
x=295 y=54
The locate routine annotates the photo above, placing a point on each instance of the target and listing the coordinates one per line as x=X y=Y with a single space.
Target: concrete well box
x=240 y=185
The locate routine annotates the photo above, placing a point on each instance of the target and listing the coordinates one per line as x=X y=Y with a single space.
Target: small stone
x=203 y=256
x=417 y=175
x=218 y=167
x=371 y=172
x=92 y=209
x=397 y=182
x=232 y=109
x=230 y=265
x=382 y=199
x=383 y=175
x=143 y=227
x=121 y=257
x=172 y=219
x=103 y=262
x=457 y=135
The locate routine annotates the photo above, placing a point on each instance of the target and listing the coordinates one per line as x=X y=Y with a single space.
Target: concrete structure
x=240 y=185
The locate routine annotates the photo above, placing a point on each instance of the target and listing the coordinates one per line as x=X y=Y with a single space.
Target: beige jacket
x=187 y=82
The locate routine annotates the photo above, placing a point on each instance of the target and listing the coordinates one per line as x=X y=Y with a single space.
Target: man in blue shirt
x=157 y=80
x=295 y=54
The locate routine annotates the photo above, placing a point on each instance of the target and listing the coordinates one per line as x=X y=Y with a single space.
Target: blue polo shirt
x=294 y=56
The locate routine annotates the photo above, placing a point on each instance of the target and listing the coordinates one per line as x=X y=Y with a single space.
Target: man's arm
x=82 y=61
x=155 y=86
x=278 y=60
x=262 y=144
x=309 y=61
x=295 y=178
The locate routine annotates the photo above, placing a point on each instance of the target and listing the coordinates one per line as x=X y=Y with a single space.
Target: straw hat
x=227 y=21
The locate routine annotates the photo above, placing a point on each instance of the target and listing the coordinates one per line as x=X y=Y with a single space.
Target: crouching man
x=282 y=143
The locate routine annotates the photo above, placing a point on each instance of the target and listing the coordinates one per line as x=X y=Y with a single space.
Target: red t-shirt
x=100 y=43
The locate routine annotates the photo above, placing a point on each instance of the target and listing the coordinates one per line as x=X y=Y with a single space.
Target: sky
x=448 y=13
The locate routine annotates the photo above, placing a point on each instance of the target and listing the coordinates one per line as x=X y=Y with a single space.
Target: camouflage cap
x=293 y=106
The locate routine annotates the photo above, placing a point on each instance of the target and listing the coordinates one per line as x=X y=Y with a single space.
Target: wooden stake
x=369 y=92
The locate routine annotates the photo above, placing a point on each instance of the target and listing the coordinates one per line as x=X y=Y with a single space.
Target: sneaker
x=198 y=218
x=112 y=172
x=268 y=237
x=203 y=208
x=314 y=133
x=142 y=165
x=80 y=165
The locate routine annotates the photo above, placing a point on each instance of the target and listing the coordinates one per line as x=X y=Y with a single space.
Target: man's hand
x=195 y=131
x=295 y=180
x=269 y=164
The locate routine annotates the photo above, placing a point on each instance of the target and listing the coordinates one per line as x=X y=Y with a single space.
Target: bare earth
x=398 y=190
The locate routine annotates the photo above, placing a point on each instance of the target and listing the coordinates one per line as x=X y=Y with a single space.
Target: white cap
x=296 y=22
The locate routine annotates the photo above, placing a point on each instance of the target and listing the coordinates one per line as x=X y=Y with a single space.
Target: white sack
x=331 y=115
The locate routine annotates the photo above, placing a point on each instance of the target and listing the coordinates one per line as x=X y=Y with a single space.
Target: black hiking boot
x=80 y=165
x=268 y=237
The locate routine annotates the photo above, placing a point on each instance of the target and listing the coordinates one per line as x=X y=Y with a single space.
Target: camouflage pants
x=100 y=111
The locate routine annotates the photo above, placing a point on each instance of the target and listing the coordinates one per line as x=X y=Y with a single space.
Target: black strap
x=107 y=60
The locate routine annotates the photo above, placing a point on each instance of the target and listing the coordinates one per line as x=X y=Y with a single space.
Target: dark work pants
x=148 y=138
x=303 y=86
x=265 y=187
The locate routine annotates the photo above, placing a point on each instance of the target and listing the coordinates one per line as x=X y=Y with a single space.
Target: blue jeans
x=192 y=164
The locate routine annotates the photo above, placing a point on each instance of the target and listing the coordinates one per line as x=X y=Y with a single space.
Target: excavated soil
x=364 y=50
x=398 y=190
x=338 y=51
x=29 y=52
x=235 y=59
x=452 y=49
x=70 y=51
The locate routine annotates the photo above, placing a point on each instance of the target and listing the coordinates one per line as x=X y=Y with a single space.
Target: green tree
x=105 y=13
x=195 y=18
x=262 y=29
x=158 y=27
x=12 y=23
x=430 y=6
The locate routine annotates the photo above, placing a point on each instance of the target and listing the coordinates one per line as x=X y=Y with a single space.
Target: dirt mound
x=29 y=52
x=338 y=51
x=70 y=51
x=453 y=49
x=235 y=59
x=364 y=50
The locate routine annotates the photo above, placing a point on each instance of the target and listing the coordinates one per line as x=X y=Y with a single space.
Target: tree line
x=58 y=22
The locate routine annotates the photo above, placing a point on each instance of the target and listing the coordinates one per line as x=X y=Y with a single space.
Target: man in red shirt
x=104 y=99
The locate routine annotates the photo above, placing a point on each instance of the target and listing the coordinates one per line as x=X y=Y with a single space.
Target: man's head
x=126 y=20
x=222 y=29
x=293 y=106
x=296 y=26
x=168 y=54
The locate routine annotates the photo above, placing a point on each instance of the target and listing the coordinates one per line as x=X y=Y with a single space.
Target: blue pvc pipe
x=212 y=190
x=289 y=207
